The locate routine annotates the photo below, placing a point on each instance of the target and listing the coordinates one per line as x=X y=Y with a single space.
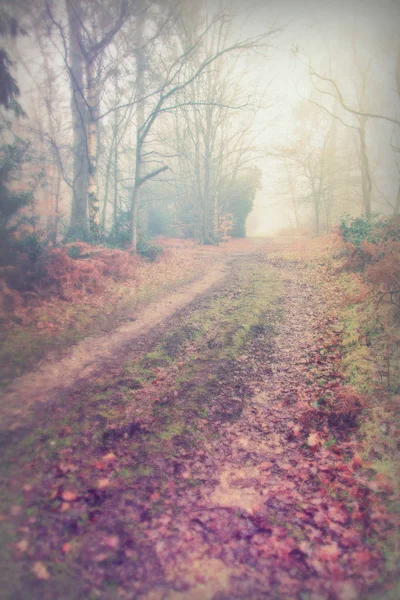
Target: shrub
x=74 y=251
x=224 y=228
x=369 y=241
x=148 y=250
x=32 y=244
x=357 y=230
x=12 y=202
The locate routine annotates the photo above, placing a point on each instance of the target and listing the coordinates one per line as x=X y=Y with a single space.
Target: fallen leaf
x=357 y=462
x=265 y=465
x=22 y=545
x=40 y=570
x=64 y=431
x=296 y=430
x=329 y=552
x=101 y=557
x=348 y=591
x=285 y=466
x=362 y=557
x=109 y=457
x=69 y=496
x=337 y=514
x=112 y=541
x=103 y=483
x=313 y=440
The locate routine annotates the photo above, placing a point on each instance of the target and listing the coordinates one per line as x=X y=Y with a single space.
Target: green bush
x=357 y=230
x=148 y=250
x=120 y=235
x=12 y=217
x=32 y=244
x=74 y=252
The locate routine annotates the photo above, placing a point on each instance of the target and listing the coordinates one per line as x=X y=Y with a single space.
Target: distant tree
x=12 y=202
x=9 y=91
x=239 y=199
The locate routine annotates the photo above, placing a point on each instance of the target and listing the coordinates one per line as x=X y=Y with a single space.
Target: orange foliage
x=56 y=274
x=384 y=269
x=68 y=278
x=225 y=227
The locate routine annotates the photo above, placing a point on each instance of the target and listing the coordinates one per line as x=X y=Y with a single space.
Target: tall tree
x=92 y=28
x=9 y=90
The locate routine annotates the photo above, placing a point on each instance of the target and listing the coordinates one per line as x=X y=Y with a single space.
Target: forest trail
x=53 y=377
x=188 y=470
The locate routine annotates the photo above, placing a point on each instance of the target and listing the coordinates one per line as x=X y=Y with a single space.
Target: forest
x=199 y=300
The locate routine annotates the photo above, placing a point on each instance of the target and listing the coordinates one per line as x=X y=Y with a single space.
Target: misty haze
x=199 y=300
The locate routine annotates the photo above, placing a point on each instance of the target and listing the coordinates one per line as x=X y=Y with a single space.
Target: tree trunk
x=366 y=182
x=107 y=187
x=316 y=207
x=115 y=215
x=93 y=197
x=140 y=69
x=78 y=223
x=134 y=215
x=396 y=210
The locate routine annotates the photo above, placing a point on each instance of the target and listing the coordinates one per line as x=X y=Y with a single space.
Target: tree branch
x=152 y=174
x=344 y=105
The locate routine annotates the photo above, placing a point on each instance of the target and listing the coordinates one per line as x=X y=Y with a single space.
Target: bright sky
x=320 y=28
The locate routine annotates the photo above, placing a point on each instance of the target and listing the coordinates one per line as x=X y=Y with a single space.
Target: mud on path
x=185 y=471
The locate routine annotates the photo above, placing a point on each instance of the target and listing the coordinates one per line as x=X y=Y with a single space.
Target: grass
x=203 y=346
x=363 y=344
x=55 y=326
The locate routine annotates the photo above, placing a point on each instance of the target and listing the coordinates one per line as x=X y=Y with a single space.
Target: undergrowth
x=369 y=277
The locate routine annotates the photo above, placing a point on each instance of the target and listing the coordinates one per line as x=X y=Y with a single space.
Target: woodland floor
x=181 y=465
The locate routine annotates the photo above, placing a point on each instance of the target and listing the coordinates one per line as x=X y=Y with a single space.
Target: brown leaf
x=329 y=552
x=265 y=465
x=357 y=462
x=40 y=570
x=285 y=466
x=109 y=457
x=362 y=557
x=69 y=496
x=101 y=557
x=112 y=541
x=22 y=545
x=296 y=430
x=64 y=431
x=337 y=515
x=103 y=483
x=313 y=440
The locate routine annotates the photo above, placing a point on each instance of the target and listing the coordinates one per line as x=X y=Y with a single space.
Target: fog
x=285 y=110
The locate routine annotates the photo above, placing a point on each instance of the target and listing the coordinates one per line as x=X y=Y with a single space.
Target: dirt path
x=192 y=471
x=87 y=356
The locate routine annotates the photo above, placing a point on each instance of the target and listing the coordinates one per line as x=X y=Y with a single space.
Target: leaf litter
x=223 y=485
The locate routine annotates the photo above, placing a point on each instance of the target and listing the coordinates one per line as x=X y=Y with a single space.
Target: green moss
x=143 y=471
x=157 y=358
x=171 y=431
x=125 y=474
x=194 y=482
x=364 y=351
